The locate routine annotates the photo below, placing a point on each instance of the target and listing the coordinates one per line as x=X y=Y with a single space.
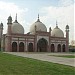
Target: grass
x=15 y=65
x=65 y=56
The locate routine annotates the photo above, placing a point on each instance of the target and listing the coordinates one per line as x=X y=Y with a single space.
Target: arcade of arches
x=59 y=48
x=14 y=47
x=42 y=46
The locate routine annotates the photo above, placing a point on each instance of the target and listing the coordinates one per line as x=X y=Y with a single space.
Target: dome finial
x=38 y=19
x=56 y=24
x=16 y=18
x=38 y=16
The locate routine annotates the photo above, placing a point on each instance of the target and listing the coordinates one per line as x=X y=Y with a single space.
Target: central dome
x=39 y=27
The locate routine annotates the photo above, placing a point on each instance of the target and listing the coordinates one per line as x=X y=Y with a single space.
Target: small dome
x=9 y=18
x=57 y=32
x=39 y=27
x=1 y=24
x=17 y=28
x=67 y=27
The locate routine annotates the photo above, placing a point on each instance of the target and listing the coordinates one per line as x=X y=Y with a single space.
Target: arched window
x=30 y=47
x=59 y=48
x=63 y=47
x=14 y=47
x=21 y=47
x=52 y=48
x=42 y=45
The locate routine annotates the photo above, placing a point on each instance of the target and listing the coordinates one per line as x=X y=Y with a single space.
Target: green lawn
x=66 y=56
x=15 y=65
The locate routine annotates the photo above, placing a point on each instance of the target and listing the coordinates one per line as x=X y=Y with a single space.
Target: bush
x=72 y=50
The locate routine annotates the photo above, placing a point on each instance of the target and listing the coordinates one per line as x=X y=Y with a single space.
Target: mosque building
x=37 y=40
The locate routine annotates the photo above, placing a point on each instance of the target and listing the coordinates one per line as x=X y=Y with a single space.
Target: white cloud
x=66 y=2
x=64 y=14
x=74 y=21
x=7 y=9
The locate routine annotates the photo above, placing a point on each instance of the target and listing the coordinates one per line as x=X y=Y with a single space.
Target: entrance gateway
x=42 y=45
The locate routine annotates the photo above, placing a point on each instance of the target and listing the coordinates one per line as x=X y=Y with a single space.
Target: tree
x=72 y=46
x=73 y=42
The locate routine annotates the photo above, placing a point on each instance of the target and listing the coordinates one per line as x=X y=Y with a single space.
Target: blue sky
x=33 y=5
x=49 y=11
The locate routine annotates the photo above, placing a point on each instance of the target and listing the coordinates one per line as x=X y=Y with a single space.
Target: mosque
x=36 y=40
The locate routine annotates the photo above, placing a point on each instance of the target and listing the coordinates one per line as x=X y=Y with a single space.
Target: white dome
x=17 y=28
x=57 y=32
x=39 y=27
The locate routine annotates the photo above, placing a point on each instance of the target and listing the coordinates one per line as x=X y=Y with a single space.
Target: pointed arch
x=42 y=45
x=30 y=47
x=21 y=47
x=59 y=48
x=63 y=48
x=14 y=47
x=52 y=48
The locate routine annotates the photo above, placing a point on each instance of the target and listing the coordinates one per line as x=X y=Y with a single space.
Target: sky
x=49 y=11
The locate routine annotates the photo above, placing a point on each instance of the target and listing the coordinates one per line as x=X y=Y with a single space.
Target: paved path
x=47 y=57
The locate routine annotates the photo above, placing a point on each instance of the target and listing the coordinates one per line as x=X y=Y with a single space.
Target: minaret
x=50 y=31
x=9 y=24
x=1 y=30
x=1 y=33
x=67 y=38
x=8 y=43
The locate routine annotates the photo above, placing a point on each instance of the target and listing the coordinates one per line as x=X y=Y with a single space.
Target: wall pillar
x=56 y=47
x=26 y=48
x=18 y=45
x=25 y=45
x=8 y=49
x=49 y=48
x=36 y=43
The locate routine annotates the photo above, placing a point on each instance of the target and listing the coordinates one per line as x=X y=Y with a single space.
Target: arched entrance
x=42 y=45
x=59 y=48
x=52 y=48
x=14 y=47
x=21 y=47
x=63 y=48
x=30 y=47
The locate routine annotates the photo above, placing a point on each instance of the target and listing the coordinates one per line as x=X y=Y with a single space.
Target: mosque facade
x=37 y=40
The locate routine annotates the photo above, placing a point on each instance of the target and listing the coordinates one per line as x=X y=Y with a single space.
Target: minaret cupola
x=9 y=20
